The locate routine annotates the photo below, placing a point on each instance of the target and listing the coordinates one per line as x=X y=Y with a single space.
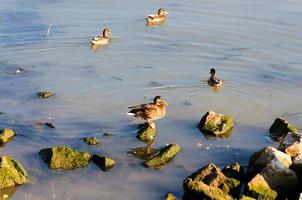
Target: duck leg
x=152 y=124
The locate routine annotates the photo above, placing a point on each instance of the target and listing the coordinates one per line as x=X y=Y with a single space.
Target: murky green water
x=256 y=47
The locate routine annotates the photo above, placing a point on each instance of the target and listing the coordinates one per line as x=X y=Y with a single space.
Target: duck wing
x=145 y=111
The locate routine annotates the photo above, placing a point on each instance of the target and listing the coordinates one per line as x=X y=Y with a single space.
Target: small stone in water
x=50 y=125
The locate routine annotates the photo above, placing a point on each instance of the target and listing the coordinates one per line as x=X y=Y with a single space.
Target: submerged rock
x=292 y=145
x=107 y=133
x=265 y=156
x=91 y=140
x=11 y=172
x=170 y=196
x=209 y=183
x=145 y=133
x=281 y=179
x=163 y=157
x=280 y=128
x=258 y=188
x=45 y=94
x=234 y=171
x=104 y=163
x=64 y=157
x=216 y=124
x=6 y=134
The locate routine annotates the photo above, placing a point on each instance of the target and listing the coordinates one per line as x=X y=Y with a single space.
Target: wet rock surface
x=258 y=188
x=64 y=157
x=163 y=157
x=11 y=172
x=91 y=140
x=280 y=128
x=105 y=163
x=170 y=196
x=292 y=144
x=145 y=133
x=216 y=124
x=6 y=134
x=45 y=94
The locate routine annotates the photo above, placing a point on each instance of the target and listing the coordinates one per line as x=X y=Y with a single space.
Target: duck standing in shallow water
x=149 y=111
x=102 y=40
x=157 y=19
x=214 y=80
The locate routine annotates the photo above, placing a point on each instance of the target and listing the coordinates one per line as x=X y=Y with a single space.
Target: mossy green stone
x=163 y=157
x=11 y=172
x=247 y=198
x=105 y=163
x=65 y=157
x=6 y=134
x=45 y=94
x=146 y=133
x=259 y=189
x=91 y=140
x=170 y=196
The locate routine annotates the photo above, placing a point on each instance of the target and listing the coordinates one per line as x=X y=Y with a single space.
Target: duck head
x=213 y=72
x=106 y=32
x=159 y=101
x=162 y=12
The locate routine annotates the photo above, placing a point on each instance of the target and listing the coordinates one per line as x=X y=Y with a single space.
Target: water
x=255 y=46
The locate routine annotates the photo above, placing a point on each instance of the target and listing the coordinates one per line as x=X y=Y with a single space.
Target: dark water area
x=255 y=46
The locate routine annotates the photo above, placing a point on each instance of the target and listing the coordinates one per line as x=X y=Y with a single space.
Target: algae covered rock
x=145 y=133
x=216 y=124
x=170 y=196
x=91 y=140
x=209 y=183
x=163 y=157
x=246 y=198
x=234 y=171
x=11 y=172
x=258 y=188
x=104 y=163
x=292 y=144
x=280 y=128
x=45 y=94
x=5 y=135
x=262 y=158
x=64 y=157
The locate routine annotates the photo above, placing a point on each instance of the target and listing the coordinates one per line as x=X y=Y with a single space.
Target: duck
x=159 y=18
x=102 y=40
x=214 y=80
x=150 y=111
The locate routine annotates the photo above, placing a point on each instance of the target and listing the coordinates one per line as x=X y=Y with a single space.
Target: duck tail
x=130 y=114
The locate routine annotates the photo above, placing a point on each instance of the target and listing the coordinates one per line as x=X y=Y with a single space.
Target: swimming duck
x=214 y=80
x=149 y=111
x=102 y=40
x=160 y=17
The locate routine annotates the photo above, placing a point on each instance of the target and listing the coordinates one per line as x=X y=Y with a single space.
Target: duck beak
x=110 y=32
x=166 y=13
x=165 y=103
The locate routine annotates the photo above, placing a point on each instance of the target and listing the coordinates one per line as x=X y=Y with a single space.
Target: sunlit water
x=256 y=47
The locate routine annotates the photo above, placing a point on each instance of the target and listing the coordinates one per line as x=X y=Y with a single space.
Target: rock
x=45 y=94
x=292 y=145
x=91 y=140
x=209 y=183
x=145 y=133
x=280 y=128
x=216 y=124
x=163 y=157
x=262 y=158
x=49 y=124
x=8 y=192
x=5 y=135
x=107 y=133
x=64 y=157
x=11 y=172
x=104 y=163
x=247 y=198
x=297 y=167
x=234 y=171
x=281 y=179
x=170 y=196
x=258 y=188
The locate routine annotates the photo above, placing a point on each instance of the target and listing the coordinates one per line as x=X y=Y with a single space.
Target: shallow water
x=255 y=46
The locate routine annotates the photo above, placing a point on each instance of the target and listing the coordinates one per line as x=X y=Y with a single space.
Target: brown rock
x=292 y=145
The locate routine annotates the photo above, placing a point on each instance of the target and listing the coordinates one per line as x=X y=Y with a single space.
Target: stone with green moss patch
x=163 y=157
x=64 y=157
x=91 y=140
x=216 y=124
x=45 y=94
x=170 y=196
x=6 y=134
x=247 y=198
x=11 y=172
x=280 y=128
x=145 y=133
x=258 y=188
x=105 y=163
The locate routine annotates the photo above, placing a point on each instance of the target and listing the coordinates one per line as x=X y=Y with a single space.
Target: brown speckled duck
x=102 y=40
x=149 y=111
x=214 y=80
x=159 y=18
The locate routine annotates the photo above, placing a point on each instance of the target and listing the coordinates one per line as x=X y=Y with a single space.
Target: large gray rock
x=216 y=124
x=280 y=128
x=297 y=167
x=11 y=172
x=265 y=156
x=292 y=145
